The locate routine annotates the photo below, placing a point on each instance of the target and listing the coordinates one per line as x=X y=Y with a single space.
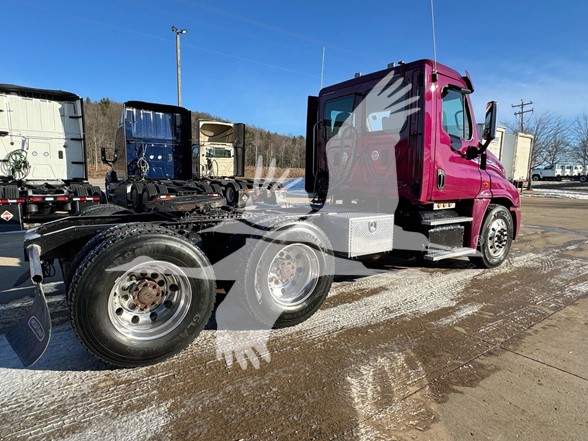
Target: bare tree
x=580 y=134
x=551 y=137
x=101 y=122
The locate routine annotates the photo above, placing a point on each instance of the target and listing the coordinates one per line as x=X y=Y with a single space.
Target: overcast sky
x=256 y=61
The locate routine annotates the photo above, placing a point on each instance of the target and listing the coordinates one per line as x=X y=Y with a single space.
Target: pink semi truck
x=393 y=163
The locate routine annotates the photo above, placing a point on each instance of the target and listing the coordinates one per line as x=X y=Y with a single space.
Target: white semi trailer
x=514 y=151
x=42 y=156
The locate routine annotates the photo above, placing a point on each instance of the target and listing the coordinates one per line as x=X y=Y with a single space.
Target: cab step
x=447 y=220
x=436 y=255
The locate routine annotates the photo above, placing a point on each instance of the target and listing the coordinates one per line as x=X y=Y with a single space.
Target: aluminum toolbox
x=359 y=234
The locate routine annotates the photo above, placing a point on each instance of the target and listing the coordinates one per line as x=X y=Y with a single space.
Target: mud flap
x=30 y=336
x=11 y=217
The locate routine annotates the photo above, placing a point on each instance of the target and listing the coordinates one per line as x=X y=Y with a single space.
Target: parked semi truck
x=514 y=151
x=155 y=160
x=395 y=164
x=42 y=156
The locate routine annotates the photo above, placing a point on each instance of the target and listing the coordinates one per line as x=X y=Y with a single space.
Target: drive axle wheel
x=288 y=275
x=292 y=275
x=231 y=194
x=150 y=300
x=495 y=238
x=140 y=297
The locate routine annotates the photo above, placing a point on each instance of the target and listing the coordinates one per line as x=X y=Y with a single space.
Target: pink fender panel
x=478 y=213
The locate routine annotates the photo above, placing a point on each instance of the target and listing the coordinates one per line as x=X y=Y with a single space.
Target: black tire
x=536 y=178
x=79 y=190
x=69 y=267
x=96 y=191
x=10 y=192
x=152 y=191
x=304 y=250
x=131 y=311
x=231 y=193
x=205 y=187
x=583 y=178
x=139 y=198
x=495 y=238
x=161 y=189
x=217 y=188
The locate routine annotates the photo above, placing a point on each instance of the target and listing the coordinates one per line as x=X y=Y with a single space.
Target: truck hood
x=493 y=165
x=501 y=187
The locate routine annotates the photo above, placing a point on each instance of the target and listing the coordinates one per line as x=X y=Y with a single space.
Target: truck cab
x=155 y=160
x=218 y=151
x=403 y=141
x=43 y=172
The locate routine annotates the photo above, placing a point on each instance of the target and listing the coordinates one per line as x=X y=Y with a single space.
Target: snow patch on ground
x=460 y=313
x=558 y=194
x=383 y=379
x=144 y=424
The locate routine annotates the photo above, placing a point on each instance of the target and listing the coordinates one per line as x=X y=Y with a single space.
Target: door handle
x=440 y=179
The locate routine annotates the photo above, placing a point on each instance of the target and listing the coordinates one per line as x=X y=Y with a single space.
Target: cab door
x=456 y=176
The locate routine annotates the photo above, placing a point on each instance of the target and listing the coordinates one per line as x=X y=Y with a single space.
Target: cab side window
x=456 y=115
x=337 y=112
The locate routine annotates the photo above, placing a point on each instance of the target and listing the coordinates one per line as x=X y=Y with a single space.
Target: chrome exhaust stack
x=34 y=255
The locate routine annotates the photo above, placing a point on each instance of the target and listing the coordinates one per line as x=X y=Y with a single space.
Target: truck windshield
x=218 y=152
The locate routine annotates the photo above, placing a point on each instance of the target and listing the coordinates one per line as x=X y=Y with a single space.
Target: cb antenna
x=323 y=68
x=434 y=42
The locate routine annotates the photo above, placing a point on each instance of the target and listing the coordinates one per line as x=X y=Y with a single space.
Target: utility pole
x=522 y=112
x=179 y=72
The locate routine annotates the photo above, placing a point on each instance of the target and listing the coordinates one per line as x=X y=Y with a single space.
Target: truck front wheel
x=536 y=178
x=138 y=299
x=495 y=238
x=288 y=275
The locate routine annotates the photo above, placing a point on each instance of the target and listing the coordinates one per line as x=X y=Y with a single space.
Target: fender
x=478 y=214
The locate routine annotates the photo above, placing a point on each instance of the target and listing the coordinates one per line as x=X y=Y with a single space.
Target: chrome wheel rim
x=497 y=237
x=291 y=276
x=150 y=300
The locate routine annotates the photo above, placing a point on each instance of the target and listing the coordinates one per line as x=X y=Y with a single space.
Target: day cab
x=404 y=141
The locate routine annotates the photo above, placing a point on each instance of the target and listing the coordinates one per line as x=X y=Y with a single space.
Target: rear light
x=11 y=201
x=165 y=196
x=87 y=199
x=61 y=198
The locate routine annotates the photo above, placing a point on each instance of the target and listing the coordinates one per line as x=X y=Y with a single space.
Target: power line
x=522 y=112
